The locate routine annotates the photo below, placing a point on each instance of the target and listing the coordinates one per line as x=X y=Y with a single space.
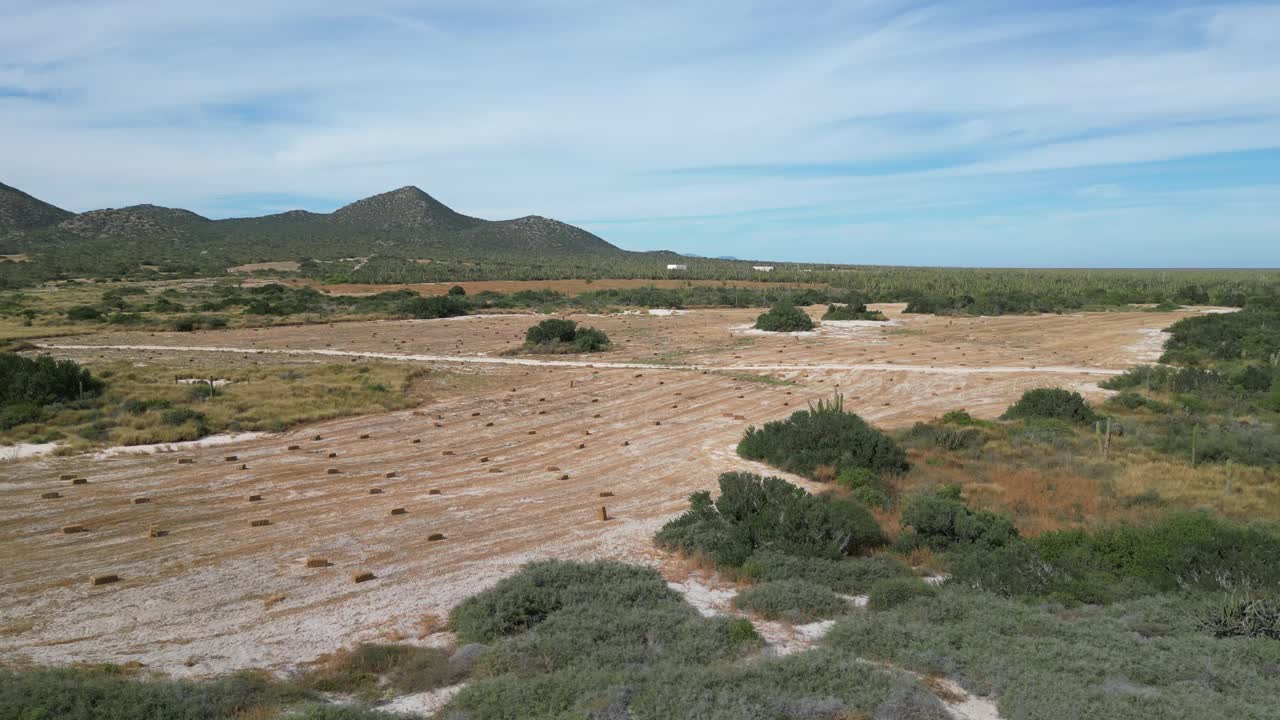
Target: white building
x=762 y=268
x=677 y=267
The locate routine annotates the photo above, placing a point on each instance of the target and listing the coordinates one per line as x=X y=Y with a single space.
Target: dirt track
x=195 y=600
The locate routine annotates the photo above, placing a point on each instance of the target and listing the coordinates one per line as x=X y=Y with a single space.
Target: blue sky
x=958 y=133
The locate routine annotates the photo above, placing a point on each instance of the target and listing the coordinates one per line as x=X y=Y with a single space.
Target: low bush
x=892 y=592
x=852 y=312
x=435 y=307
x=555 y=335
x=941 y=522
x=794 y=601
x=784 y=317
x=403 y=669
x=848 y=576
x=457 y=291
x=1051 y=403
x=823 y=435
x=945 y=437
x=754 y=514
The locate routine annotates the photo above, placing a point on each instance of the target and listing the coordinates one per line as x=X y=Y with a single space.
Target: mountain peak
x=20 y=211
x=406 y=208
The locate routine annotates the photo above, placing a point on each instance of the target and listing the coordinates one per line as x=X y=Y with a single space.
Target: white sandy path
x=484 y=360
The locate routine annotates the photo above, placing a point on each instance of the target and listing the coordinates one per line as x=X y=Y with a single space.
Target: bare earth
x=654 y=420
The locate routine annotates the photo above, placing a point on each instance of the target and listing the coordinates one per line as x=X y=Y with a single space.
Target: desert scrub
x=113 y=693
x=603 y=640
x=852 y=312
x=850 y=576
x=555 y=336
x=755 y=513
x=784 y=317
x=823 y=437
x=1053 y=404
x=795 y=601
x=1240 y=615
x=1139 y=660
x=146 y=405
x=892 y=592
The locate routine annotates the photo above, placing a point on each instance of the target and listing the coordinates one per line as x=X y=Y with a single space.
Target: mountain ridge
x=406 y=220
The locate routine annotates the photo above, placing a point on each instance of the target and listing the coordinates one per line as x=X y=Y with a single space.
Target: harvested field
x=195 y=600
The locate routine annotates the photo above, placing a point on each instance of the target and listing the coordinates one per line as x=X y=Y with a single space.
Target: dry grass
x=268 y=398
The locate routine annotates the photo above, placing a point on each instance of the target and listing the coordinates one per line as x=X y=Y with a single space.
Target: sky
x=1044 y=134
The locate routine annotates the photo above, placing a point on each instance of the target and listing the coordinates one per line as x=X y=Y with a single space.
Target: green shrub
x=590 y=340
x=44 y=381
x=769 y=514
x=849 y=576
x=851 y=312
x=941 y=522
x=84 y=313
x=457 y=291
x=435 y=307
x=555 y=335
x=795 y=601
x=892 y=592
x=823 y=435
x=1051 y=403
x=403 y=669
x=942 y=437
x=784 y=317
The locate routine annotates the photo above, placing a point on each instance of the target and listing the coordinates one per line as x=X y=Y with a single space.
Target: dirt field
x=520 y=462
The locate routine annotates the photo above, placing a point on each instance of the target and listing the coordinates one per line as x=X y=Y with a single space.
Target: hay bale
x=230 y=458
x=602 y=514
x=657 y=422
x=362 y=576
x=375 y=491
x=50 y=496
x=542 y=412
x=484 y=459
x=582 y=446
x=553 y=468
x=434 y=491
x=398 y=511
x=260 y=522
x=104 y=579
x=333 y=454
x=595 y=400
x=586 y=432
x=141 y=500
x=71 y=529
x=495 y=470
x=488 y=424
x=255 y=498
x=364 y=436
x=156 y=532
x=565 y=476
x=596 y=416
x=447 y=452
x=606 y=493
x=317 y=437
x=625 y=443
x=416 y=441
x=390 y=474
x=333 y=471
x=186 y=461
x=438 y=424
x=67 y=476
x=475 y=414
x=317 y=562
x=435 y=537
x=295 y=447
x=533 y=432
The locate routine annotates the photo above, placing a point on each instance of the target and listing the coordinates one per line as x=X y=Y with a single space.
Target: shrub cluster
x=794 y=601
x=755 y=514
x=849 y=576
x=824 y=436
x=555 y=335
x=784 y=317
x=892 y=592
x=942 y=521
x=852 y=312
x=30 y=385
x=1053 y=404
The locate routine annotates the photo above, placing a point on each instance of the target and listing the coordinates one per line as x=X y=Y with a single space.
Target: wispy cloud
x=882 y=130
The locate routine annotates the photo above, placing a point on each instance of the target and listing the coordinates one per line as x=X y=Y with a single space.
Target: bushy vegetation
x=1144 y=659
x=1253 y=334
x=892 y=592
x=31 y=388
x=852 y=311
x=375 y=669
x=1053 y=404
x=847 y=576
x=555 y=335
x=942 y=521
x=794 y=601
x=436 y=306
x=784 y=317
x=1242 y=615
x=755 y=514
x=820 y=442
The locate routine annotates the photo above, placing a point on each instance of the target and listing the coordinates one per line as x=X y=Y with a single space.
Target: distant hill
x=19 y=211
x=405 y=222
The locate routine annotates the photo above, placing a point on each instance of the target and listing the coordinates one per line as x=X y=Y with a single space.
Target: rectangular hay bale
x=261 y=522
x=104 y=579
x=364 y=576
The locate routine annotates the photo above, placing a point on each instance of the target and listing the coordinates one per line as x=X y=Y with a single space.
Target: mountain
x=406 y=222
x=19 y=211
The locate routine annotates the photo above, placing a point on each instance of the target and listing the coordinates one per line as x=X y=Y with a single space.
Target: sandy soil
x=520 y=462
